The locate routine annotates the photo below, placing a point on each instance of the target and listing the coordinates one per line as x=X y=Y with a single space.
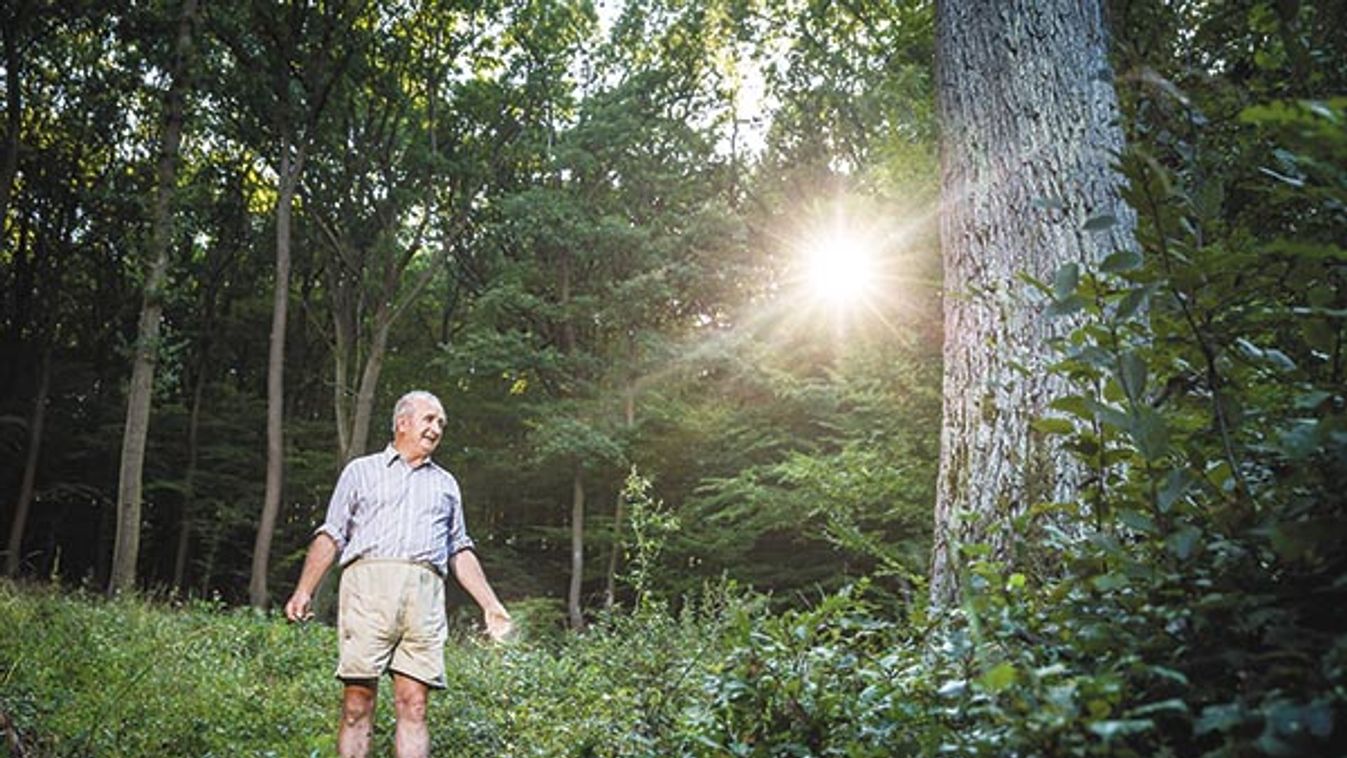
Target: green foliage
x=817 y=475
x=89 y=677
x=651 y=527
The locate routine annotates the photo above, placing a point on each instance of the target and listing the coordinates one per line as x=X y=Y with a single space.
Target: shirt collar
x=391 y=455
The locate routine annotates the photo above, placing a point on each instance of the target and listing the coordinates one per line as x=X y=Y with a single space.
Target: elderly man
x=396 y=521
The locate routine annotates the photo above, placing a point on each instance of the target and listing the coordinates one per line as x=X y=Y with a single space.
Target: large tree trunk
x=13 y=552
x=1029 y=122
x=126 y=549
x=290 y=167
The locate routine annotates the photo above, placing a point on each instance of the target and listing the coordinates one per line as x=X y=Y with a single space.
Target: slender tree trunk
x=13 y=552
x=189 y=480
x=290 y=167
x=610 y=587
x=9 y=161
x=610 y=579
x=568 y=343
x=1029 y=122
x=369 y=381
x=341 y=348
x=126 y=550
x=577 y=618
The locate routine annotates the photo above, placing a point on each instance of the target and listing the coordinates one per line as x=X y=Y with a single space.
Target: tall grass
x=81 y=675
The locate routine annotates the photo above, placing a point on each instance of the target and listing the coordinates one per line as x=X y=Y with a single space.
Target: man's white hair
x=405 y=403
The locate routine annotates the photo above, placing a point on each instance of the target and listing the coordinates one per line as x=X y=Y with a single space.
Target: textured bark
x=290 y=167
x=1029 y=134
x=13 y=552
x=126 y=549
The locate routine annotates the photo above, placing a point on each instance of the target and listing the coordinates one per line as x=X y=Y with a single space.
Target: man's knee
x=357 y=704
x=409 y=701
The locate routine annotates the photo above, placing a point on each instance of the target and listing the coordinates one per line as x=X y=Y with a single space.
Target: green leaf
x=1311 y=400
x=1110 y=581
x=1300 y=439
x=1122 y=260
x=1110 y=415
x=1219 y=718
x=1121 y=727
x=1066 y=279
x=1066 y=307
x=1172 y=705
x=1150 y=432
x=1076 y=405
x=1221 y=476
x=999 y=677
x=1132 y=302
x=1183 y=542
x=1176 y=483
x=1169 y=674
x=1279 y=359
x=1100 y=222
x=1052 y=425
x=1137 y=520
x=1132 y=374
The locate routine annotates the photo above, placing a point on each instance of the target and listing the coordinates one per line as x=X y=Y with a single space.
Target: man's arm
x=468 y=572
x=322 y=551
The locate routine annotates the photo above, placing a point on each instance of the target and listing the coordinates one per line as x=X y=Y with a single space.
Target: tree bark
x=1029 y=120
x=290 y=167
x=126 y=548
x=13 y=552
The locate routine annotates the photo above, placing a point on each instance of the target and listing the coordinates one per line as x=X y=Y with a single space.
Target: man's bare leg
x=357 y=718
x=409 y=704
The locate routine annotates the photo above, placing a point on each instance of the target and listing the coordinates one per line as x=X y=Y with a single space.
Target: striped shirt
x=384 y=508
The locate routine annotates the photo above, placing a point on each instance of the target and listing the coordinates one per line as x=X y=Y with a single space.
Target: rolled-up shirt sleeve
x=340 y=509
x=458 y=529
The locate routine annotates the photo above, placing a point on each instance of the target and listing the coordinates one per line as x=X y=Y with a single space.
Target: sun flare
x=840 y=267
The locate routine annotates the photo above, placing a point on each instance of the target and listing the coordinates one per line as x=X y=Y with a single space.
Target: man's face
x=422 y=427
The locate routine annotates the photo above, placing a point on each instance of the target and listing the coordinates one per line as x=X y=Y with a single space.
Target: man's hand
x=297 y=607
x=498 y=624
x=322 y=551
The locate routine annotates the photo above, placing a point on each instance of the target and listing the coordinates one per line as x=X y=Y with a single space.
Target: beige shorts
x=391 y=618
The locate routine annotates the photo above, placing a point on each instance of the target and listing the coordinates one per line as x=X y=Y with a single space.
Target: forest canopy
x=601 y=234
